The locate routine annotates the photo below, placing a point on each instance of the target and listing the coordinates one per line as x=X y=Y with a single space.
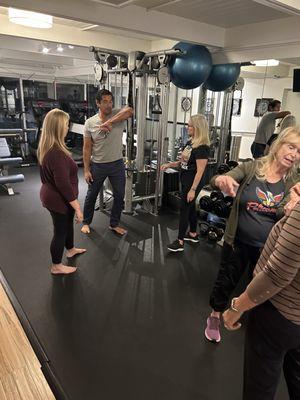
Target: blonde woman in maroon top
x=59 y=189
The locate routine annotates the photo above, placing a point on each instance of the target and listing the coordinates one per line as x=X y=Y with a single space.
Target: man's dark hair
x=273 y=104
x=103 y=92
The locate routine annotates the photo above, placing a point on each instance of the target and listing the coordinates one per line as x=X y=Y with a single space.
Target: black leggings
x=235 y=260
x=63 y=234
x=188 y=213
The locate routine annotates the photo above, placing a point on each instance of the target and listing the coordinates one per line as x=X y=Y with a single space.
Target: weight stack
x=171 y=185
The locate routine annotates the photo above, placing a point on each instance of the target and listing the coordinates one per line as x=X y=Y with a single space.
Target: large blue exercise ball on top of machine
x=190 y=70
x=222 y=76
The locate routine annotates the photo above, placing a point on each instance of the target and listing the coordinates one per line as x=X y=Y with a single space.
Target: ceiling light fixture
x=29 y=18
x=60 y=48
x=266 y=63
x=71 y=47
x=45 y=50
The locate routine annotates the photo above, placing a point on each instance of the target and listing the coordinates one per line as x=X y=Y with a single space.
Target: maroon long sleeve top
x=59 y=181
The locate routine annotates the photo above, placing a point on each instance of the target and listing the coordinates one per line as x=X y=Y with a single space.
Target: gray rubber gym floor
x=129 y=324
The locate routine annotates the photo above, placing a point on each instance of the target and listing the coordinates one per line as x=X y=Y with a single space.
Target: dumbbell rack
x=211 y=224
x=218 y=207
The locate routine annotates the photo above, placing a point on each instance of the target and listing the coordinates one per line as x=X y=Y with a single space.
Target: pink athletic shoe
x=212 y=331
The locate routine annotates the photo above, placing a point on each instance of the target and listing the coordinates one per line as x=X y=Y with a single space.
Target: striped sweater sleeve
x=279 y=263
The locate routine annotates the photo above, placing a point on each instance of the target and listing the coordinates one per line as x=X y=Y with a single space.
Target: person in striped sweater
x=273 y=296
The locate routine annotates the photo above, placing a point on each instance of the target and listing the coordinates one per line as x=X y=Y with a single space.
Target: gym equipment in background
x=5 y=163
x=223 y=206
x=207 y=202
x=226 y=167
x=222 y=77
x=213 y=227
x=190 y=69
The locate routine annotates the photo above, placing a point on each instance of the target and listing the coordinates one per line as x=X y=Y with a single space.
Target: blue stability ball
x=222 y=76
x=190 y=70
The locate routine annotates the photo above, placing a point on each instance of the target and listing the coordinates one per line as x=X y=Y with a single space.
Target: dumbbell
x=215 y=234
x=204 y=228
x=222 y=208
x=202 y=215
x=232 y=164
x=207 y=202
x=223 y=168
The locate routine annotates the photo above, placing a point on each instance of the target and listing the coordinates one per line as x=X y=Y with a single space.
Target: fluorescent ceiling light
x=60 y=48
x=266 y=63
x=28 y=18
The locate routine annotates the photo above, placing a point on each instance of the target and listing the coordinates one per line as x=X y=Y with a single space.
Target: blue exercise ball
x=191 y=69
x=222 y=76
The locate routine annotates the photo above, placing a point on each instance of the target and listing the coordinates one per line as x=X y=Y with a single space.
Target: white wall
x=245 y=125
x=246 y=122
x=291 y=102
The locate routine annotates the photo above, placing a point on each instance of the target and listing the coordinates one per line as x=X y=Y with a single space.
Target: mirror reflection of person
x=266 y=128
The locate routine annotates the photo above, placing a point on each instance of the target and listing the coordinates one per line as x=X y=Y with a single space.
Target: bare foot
x=85 y=229
x=73 y=252
x=118 y=230
x=60 y=269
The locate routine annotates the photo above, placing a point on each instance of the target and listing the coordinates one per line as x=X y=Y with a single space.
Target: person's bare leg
x=61 y=269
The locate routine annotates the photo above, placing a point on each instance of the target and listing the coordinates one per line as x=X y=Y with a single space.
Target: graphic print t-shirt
x=190 y=155
x=257 y=216
x=189 y=164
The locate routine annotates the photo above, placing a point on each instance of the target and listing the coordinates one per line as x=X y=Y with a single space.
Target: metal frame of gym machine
x=220 y=123
x=138 y=70
x=20 y=133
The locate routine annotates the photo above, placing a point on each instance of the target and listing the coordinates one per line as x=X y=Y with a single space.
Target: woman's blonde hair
x=289 y=135
x=53 y=133
x=201 y=130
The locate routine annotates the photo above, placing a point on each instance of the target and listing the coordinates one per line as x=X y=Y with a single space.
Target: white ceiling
x=22 y=56
x=216 y=21
x=222 y=13
x=292 y=61
x=84 y=26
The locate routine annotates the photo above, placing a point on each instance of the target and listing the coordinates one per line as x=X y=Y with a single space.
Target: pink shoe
x=212 y=331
